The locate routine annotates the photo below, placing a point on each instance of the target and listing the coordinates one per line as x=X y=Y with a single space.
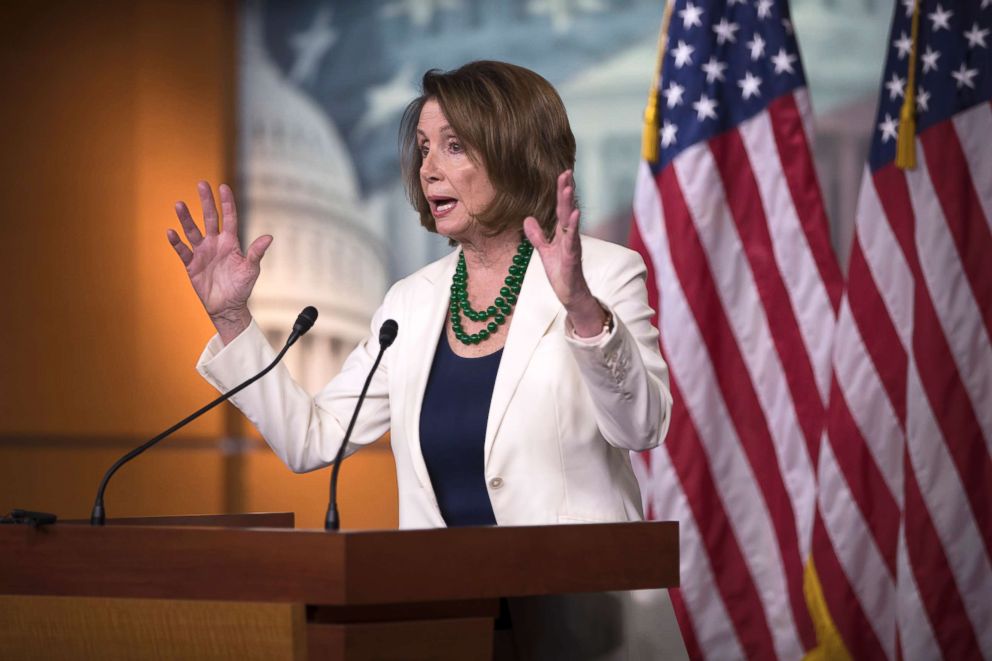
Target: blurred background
x=114 y=110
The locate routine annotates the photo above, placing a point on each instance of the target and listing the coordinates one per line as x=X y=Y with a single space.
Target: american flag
x=731 y=223
x=903 y=530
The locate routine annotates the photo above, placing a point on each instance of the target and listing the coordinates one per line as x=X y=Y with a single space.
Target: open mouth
x=442 y=205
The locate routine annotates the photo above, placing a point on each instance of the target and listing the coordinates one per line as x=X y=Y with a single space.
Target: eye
x=455 y=147
x=424 y=148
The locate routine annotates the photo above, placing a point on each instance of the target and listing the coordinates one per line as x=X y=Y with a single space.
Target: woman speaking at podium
x=525 y=369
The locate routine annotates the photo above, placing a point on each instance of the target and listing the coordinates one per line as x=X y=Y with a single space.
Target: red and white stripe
x=903 y=534
x=746 y=287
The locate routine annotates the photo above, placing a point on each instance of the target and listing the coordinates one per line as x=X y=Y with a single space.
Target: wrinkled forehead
x=432 y=120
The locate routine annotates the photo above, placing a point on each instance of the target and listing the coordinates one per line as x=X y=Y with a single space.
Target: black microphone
x=387 y=334
x=303 y=323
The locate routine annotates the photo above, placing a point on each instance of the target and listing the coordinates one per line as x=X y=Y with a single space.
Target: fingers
x=190 y=229
x=534 y=233
x=568 y=215
x=567 y=233
x=181 y=248
x=567 y=228
x=566 y=194
x=229 y=211
x=256 y=251
x=210 y=219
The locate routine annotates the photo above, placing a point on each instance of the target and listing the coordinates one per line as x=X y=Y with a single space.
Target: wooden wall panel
x=112 y=111
x=63 y=479
x=67 y=132
x=191 y=477
x=100 y=629
x=367 y=484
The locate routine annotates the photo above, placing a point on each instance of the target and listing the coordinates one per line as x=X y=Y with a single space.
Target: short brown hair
x=513 y=123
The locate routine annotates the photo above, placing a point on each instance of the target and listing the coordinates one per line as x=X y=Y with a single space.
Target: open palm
x=561 y=256
x=221 y=274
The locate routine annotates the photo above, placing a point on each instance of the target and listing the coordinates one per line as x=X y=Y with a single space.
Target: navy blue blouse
x=453 y=433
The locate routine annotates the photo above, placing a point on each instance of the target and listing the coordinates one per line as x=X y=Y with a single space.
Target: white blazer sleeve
x=624 y=372
x=304 y=431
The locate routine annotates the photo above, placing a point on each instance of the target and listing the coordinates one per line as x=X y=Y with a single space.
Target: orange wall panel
x=63 y=480
x=99 y=336
x=367 y=489
x=112 y=112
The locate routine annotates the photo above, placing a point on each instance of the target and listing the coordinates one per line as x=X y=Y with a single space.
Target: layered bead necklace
x=500 y=309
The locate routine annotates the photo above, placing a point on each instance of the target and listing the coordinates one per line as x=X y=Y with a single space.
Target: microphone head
x=387 y=333
x=305 y=321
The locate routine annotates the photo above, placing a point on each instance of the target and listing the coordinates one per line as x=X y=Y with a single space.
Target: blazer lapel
x=425 y=329
x=537 y=307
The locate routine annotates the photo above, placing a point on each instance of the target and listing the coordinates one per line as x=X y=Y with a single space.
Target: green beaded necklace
x=501 y=307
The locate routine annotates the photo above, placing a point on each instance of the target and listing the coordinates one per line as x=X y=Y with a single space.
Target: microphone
x=387 y=334
x=303 y=323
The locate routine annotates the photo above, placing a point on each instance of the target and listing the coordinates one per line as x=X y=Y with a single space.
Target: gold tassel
x=649 y=135
x=906 y=144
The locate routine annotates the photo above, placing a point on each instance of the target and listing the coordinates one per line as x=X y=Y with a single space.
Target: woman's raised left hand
x=562 y=260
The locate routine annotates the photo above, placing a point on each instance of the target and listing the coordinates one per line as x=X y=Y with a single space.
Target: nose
x=429 y=171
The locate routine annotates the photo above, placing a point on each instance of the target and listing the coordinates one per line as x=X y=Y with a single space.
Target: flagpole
x=906 y=143
x=649 y=135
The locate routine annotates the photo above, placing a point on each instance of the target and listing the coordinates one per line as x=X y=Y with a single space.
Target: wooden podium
x=252 y=587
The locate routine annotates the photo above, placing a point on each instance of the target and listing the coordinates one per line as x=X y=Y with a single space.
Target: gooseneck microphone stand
x=387 y=333
x=303 y=323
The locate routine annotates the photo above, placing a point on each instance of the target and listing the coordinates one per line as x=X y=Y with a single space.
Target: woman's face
x=456 y=188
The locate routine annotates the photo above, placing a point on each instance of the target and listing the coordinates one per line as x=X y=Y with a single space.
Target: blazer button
x=496 y=482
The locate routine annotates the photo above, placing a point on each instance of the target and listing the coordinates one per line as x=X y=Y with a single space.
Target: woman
x=540 y=375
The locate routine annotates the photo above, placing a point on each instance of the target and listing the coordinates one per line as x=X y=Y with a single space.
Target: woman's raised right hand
x=221 y=275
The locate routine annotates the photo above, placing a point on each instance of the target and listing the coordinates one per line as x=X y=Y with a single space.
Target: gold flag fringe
x=830 y=645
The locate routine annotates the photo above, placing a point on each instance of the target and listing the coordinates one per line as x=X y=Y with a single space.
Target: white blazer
x=564 y=414
x=563 y=418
